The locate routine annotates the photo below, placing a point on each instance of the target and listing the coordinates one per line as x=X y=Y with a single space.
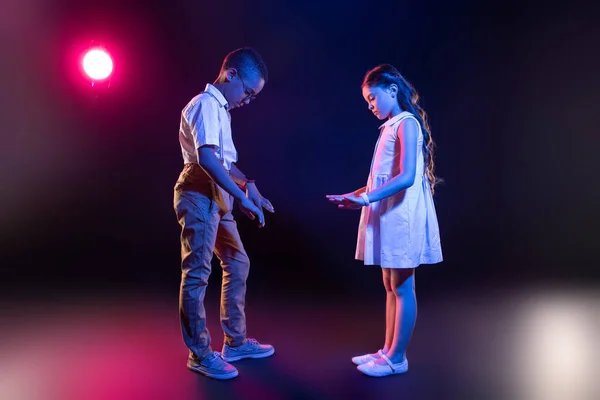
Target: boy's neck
x=219 y=86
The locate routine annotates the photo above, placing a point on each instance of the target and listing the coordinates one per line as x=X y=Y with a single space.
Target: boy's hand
x=251 y=211
x=254 y=195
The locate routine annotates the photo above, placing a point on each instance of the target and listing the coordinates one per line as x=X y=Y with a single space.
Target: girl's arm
x=408 y=133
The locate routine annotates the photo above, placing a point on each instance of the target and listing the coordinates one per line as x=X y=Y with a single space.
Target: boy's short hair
x=246 y=60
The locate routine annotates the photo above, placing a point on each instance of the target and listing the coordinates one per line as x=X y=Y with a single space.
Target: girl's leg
x=390 y=317
x=390 y=309
x=403 y=286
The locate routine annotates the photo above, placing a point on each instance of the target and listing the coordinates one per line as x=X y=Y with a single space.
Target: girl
x=398 y=227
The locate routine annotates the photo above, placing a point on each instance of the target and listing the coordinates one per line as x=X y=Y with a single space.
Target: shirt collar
x=218 y=95
x=395 y=119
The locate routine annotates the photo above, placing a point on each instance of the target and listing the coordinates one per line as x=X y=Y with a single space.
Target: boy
x=203 y=201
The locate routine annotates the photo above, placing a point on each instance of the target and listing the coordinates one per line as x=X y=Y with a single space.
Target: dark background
x=87 y=172
x=89 y=243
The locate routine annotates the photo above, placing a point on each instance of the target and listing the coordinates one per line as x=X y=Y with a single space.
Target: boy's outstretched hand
x=257 y=198
x=251 y=211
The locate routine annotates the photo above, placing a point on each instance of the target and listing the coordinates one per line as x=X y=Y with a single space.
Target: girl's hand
x=348 y=201
x=352 y=201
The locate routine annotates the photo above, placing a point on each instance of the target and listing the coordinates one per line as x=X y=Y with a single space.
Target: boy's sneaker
x=212 y=366
x=249 y=349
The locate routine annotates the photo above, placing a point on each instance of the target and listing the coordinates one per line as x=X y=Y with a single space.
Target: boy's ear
x=230 y=73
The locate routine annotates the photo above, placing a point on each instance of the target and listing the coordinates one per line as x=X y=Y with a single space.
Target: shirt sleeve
x=204 y=123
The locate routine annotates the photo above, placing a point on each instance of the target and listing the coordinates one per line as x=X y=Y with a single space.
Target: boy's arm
x=213 y=167
x=238 y=177
x=251 y=190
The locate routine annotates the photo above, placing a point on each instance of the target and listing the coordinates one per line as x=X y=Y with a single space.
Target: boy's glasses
x=248 y=92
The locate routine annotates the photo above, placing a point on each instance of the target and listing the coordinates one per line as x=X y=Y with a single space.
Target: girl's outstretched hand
x=348 y=201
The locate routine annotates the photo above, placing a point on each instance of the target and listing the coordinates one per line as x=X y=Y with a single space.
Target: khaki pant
x=203 y=210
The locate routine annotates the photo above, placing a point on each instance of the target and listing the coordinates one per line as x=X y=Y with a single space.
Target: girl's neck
x=395 y=111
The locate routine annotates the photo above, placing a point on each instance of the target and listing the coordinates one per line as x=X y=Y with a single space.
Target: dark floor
x=503 y=344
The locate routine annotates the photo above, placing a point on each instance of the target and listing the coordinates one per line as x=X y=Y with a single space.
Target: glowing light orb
x=97 y=64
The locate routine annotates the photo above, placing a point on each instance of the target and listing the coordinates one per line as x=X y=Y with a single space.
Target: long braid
x=429 y=144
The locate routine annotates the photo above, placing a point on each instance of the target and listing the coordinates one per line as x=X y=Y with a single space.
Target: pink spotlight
x=97 y=64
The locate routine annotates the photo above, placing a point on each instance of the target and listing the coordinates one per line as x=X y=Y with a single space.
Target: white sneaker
x=373 y=369
x=212 y=366
x=359 y=360
x=251 y=348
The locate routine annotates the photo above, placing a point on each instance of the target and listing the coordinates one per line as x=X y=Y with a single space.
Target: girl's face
x=381 y=100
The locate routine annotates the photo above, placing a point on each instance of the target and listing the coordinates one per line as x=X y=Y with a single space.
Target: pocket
x=194 y=202
x=380 y=180
x=219 y=201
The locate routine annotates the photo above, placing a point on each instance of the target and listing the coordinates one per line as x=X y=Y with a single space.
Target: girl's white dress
x=402 y=230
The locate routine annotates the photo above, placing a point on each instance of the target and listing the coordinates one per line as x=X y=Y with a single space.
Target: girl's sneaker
x=359 y=360
x=373 y=368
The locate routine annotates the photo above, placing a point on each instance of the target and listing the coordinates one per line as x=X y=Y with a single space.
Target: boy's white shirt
x=205 y=120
